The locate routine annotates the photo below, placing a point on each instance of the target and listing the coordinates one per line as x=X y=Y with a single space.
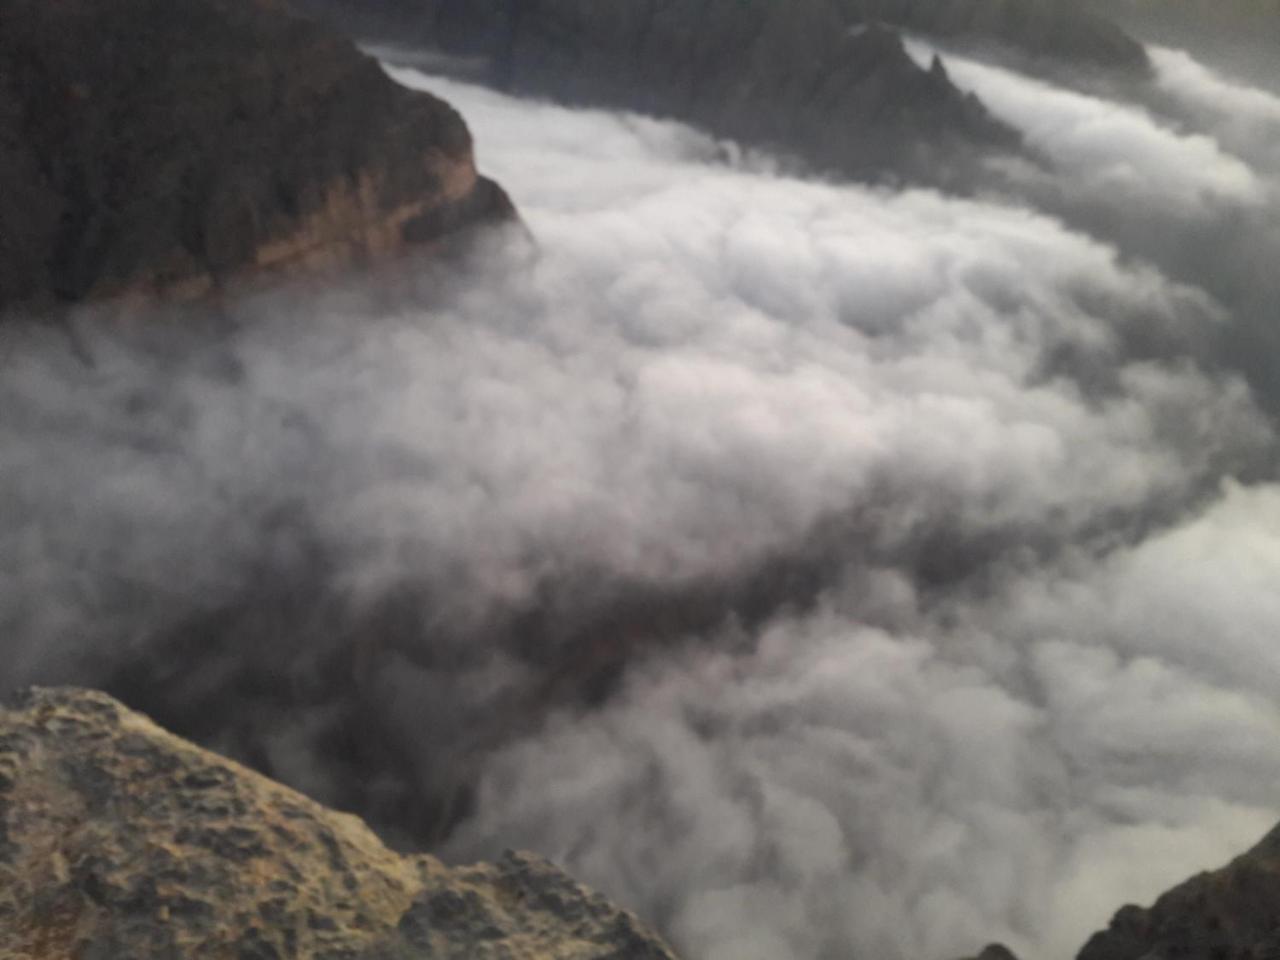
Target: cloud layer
x=911 y=518
x=1109 y=151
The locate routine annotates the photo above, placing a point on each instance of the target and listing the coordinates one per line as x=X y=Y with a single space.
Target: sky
x=965 y=524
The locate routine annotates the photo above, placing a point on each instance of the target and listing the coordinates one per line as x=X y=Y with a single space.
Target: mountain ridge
x=803 y=80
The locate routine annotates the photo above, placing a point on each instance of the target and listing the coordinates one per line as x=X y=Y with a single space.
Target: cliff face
x=119 y=840
x=801 y=77
x=162 y=146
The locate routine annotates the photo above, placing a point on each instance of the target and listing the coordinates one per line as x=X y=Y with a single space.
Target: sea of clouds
x=1009 y=505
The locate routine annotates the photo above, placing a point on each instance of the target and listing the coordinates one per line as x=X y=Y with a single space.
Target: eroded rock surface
x=154 y=145
x=120 y=840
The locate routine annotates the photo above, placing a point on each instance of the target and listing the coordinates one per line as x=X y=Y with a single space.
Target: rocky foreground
x=118 y=841
x=153 y=146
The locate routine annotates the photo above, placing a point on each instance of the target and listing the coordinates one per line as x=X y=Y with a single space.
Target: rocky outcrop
x=153 y=146
x=799 y=77
x=1229 y=914
x=119 y=840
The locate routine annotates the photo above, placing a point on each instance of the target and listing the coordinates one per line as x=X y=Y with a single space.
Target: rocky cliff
x=165 y=145
x=118 y=840
x=799 y=77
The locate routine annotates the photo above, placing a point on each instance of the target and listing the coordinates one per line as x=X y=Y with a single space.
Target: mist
x=819 y=569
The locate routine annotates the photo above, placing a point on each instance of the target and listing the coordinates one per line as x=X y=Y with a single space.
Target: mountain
x=119 y=840
x=800 y=78
x=160 y=146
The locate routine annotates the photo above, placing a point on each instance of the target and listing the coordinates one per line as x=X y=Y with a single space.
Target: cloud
x=1107 y=151
x=814 y=567
x=1180 y=172
x=1014 y=768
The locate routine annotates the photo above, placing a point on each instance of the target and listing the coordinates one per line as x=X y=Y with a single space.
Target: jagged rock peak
x=119 y=840
x=161 y=146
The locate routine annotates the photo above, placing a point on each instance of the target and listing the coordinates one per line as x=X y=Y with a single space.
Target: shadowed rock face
x=154 y=145
x=800 y=77
x=119 y=840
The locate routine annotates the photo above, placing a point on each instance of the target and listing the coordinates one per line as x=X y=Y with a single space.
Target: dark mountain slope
x=150 y=145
